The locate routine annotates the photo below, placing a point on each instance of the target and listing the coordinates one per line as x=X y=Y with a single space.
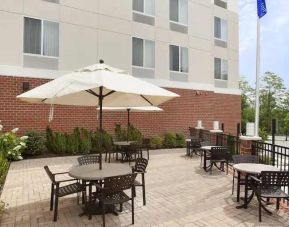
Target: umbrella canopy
x=83 y=86
x=98 y=85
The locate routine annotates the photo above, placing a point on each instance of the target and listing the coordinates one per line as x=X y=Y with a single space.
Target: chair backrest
x=50 y=174
x=275 y=178
x=195 y=143
x=134 y=147
x=116 y=184
x=245 y=159
x=218 y=153
x=146 y=142
x=88 y=159
x=205 y=143
x=141 y=165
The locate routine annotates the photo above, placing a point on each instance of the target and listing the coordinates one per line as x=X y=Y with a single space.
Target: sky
x=274 y=39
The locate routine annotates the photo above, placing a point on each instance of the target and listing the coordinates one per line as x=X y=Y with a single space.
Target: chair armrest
x=60 y=173
x=256 y=179
x=61 y=181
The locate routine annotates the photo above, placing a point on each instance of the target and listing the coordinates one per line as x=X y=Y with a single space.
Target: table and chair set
x=261 y=180
x=100 y=190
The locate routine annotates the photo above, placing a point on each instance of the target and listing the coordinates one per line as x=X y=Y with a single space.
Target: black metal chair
x=140 y=168
x=113 y=193
x=219 y=155
x=200 y=151
x=241 y=159
x=146 y=147
x=269 y=185
x=57 y=191
x=131 y=152
x=88 y=159
x=194 y=146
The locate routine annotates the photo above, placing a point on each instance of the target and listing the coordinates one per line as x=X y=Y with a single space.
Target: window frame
x=222 y=75
x=178 y=22
x=180 y=59
x=143 y=13
x=221 y=39
x=42 y=39
x=144 y=52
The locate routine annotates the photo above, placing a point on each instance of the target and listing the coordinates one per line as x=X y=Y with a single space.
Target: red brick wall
x=178 y=114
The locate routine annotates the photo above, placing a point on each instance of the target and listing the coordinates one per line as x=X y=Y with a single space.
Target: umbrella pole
x=100 y=124
x=128 y=123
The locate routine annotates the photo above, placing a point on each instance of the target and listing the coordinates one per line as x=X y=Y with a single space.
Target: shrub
x=4 y=166
x=156 y=142
x=35 y=144
x=101 y=142
x=120 y=133
x=134 y=134
x=263 y=134
x=12 y=146
x=169 y=140
x=180 y=140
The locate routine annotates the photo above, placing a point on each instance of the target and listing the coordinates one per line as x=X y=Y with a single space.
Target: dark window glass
x=137 y=51
x=32 y=36
x=174 y=58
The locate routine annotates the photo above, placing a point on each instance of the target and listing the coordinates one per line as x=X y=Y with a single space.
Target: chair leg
x=278 y=204
x=52 y=197
x=238 y=186
x=105 y=156
x=90 y=200
x=109 y=157
x=132 y=209
x=120 y=207
x=233 y=182
x=103 y=214
x=227 y=165
x=148 y=154
x=55 y=207
x=260 y=218
x=143 y=190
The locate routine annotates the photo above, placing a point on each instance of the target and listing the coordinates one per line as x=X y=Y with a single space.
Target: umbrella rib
x=146 y=99
x=92 y=92
x=109 y=93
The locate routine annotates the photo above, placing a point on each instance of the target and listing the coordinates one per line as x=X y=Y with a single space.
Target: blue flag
x=262 y=9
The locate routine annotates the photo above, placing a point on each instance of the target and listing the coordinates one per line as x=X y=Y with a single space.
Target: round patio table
x=251 y=169
x=92 y=173
x=206 y=149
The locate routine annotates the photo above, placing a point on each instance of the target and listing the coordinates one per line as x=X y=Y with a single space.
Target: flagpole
x=257 y=101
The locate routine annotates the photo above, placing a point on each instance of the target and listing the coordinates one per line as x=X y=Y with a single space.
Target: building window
x=41 y=37
x=179 y=59
x=144 y=6
x=221 y=69
x=221 y=29
x=221 y=3
x=143 y=53
x=179 y=11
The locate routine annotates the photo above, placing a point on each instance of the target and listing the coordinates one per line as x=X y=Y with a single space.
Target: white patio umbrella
x=98 y=85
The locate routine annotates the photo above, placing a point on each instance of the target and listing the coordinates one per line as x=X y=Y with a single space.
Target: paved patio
x=179 y=193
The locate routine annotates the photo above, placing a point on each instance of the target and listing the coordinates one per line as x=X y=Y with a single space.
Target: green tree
x=247 y=103
x=272 y=93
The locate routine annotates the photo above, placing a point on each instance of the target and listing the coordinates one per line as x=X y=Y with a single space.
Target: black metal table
x=92 y=173
x=251 y=169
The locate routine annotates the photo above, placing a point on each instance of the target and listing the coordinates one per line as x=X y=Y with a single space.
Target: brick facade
x=178 y=114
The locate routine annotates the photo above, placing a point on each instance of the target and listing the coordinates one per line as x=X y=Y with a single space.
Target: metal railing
x=272 y=154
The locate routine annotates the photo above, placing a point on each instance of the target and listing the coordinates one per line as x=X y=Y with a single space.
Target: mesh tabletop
x=92 y=171
x=254 y=168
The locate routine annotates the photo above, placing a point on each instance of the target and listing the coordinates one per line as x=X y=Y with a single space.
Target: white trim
x=248 y=138
x=143 y=14
x=39 y=55
x=18 y=71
